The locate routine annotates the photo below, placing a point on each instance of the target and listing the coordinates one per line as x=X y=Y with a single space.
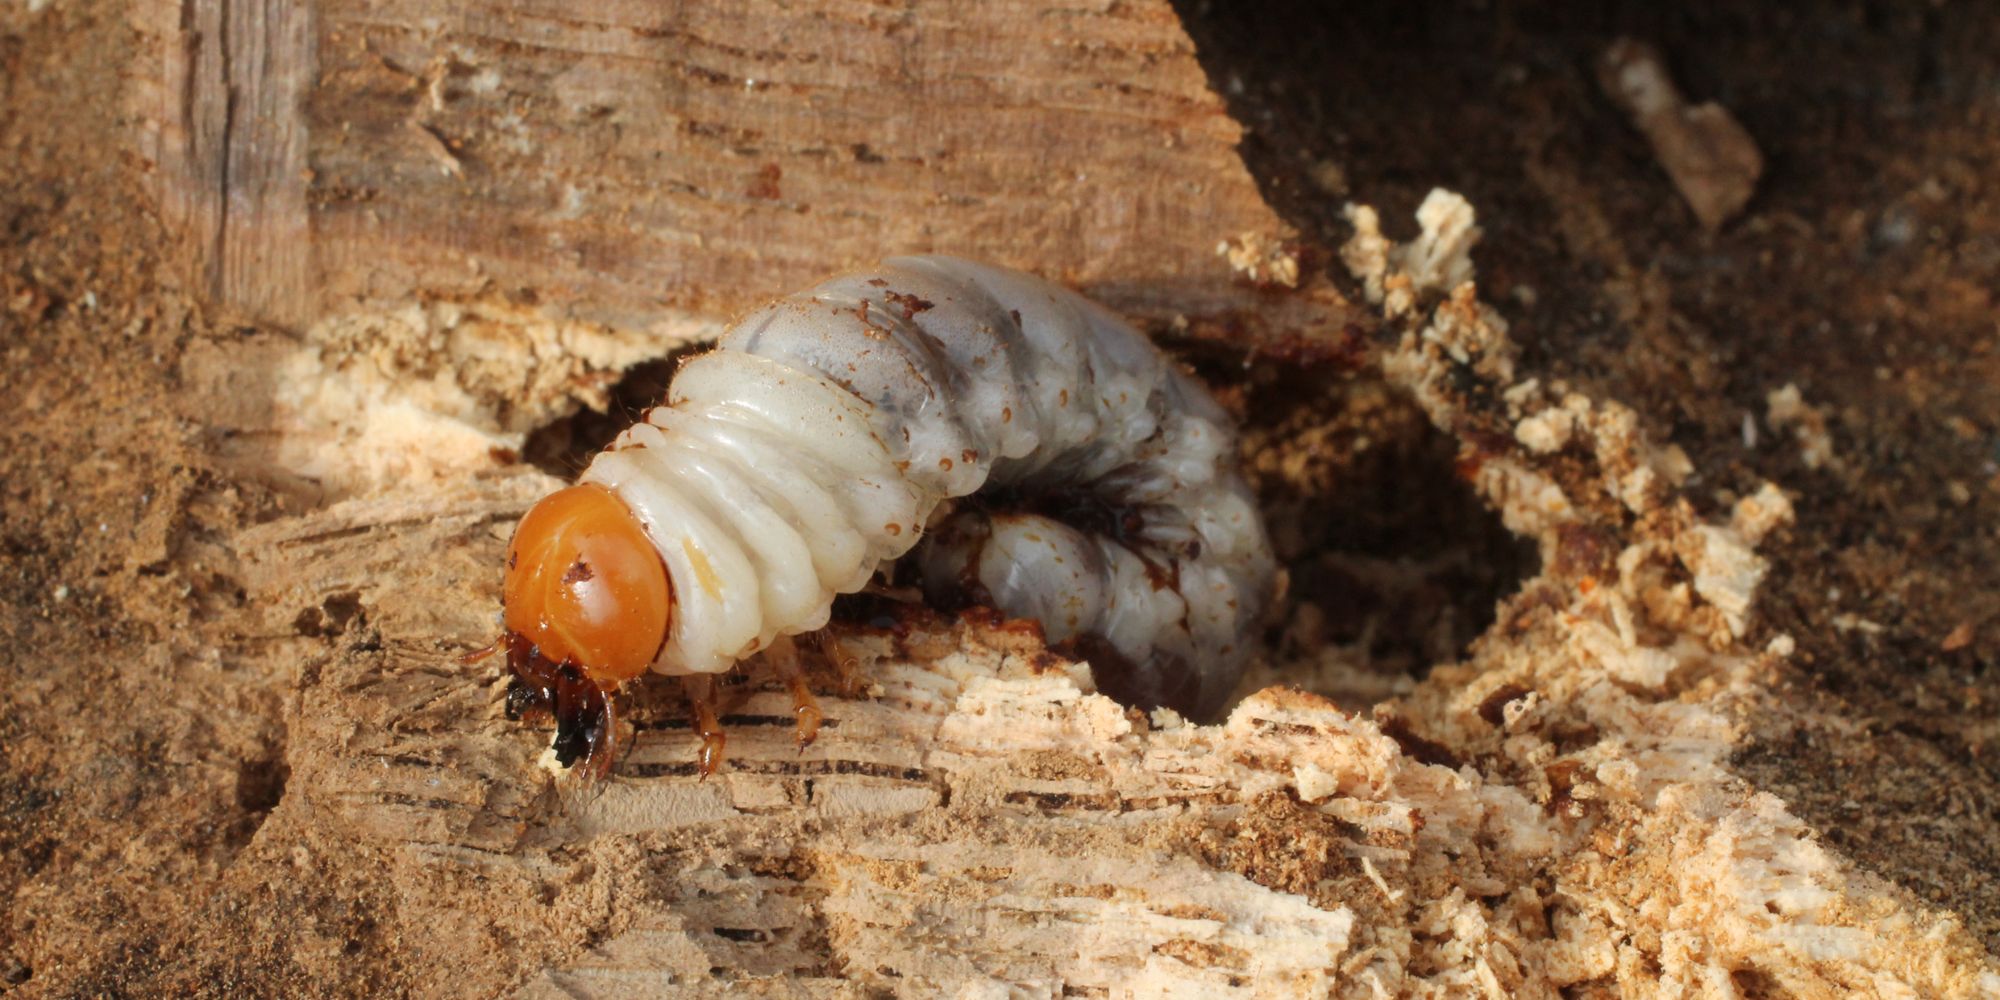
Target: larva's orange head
x=585 y=587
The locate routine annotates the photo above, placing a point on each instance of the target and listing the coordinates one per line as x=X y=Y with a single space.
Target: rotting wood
x=977 y=822
x=223 y=127
x=622 y=162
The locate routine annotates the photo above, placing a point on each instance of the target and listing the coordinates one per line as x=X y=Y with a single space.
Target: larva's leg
x=700 y=689
x=806 y=716
x=888 y=591
x=482 y=653
x=846 y=664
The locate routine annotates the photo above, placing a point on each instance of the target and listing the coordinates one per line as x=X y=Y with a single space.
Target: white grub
x=820 y=437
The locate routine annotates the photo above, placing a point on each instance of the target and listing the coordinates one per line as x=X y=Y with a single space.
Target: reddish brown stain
x=765 y=185
x=909 y=304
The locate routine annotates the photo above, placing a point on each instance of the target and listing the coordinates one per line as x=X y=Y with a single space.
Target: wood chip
x=1712 y=161
x=1958 y=638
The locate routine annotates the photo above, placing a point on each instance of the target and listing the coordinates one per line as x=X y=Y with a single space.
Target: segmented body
x=839 y=428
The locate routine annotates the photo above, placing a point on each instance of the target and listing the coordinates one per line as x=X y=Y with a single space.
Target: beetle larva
x=1047 y=458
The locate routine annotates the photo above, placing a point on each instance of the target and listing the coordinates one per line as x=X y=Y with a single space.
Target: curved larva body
x=827 y=432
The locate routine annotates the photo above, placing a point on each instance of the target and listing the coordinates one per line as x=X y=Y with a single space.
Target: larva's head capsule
x=587 y=609
x=585 y=588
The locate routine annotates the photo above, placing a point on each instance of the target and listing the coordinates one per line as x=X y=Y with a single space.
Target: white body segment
x=824 y=434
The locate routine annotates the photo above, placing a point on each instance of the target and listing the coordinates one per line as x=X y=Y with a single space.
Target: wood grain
x=624 y=161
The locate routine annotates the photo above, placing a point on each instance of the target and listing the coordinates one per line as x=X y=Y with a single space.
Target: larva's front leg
x=818 y=440
x=783 y=656
x=701 y=696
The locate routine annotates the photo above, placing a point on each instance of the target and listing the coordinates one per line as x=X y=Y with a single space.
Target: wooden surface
x=974 y=821
x=622 y=161
x=1554 y=815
